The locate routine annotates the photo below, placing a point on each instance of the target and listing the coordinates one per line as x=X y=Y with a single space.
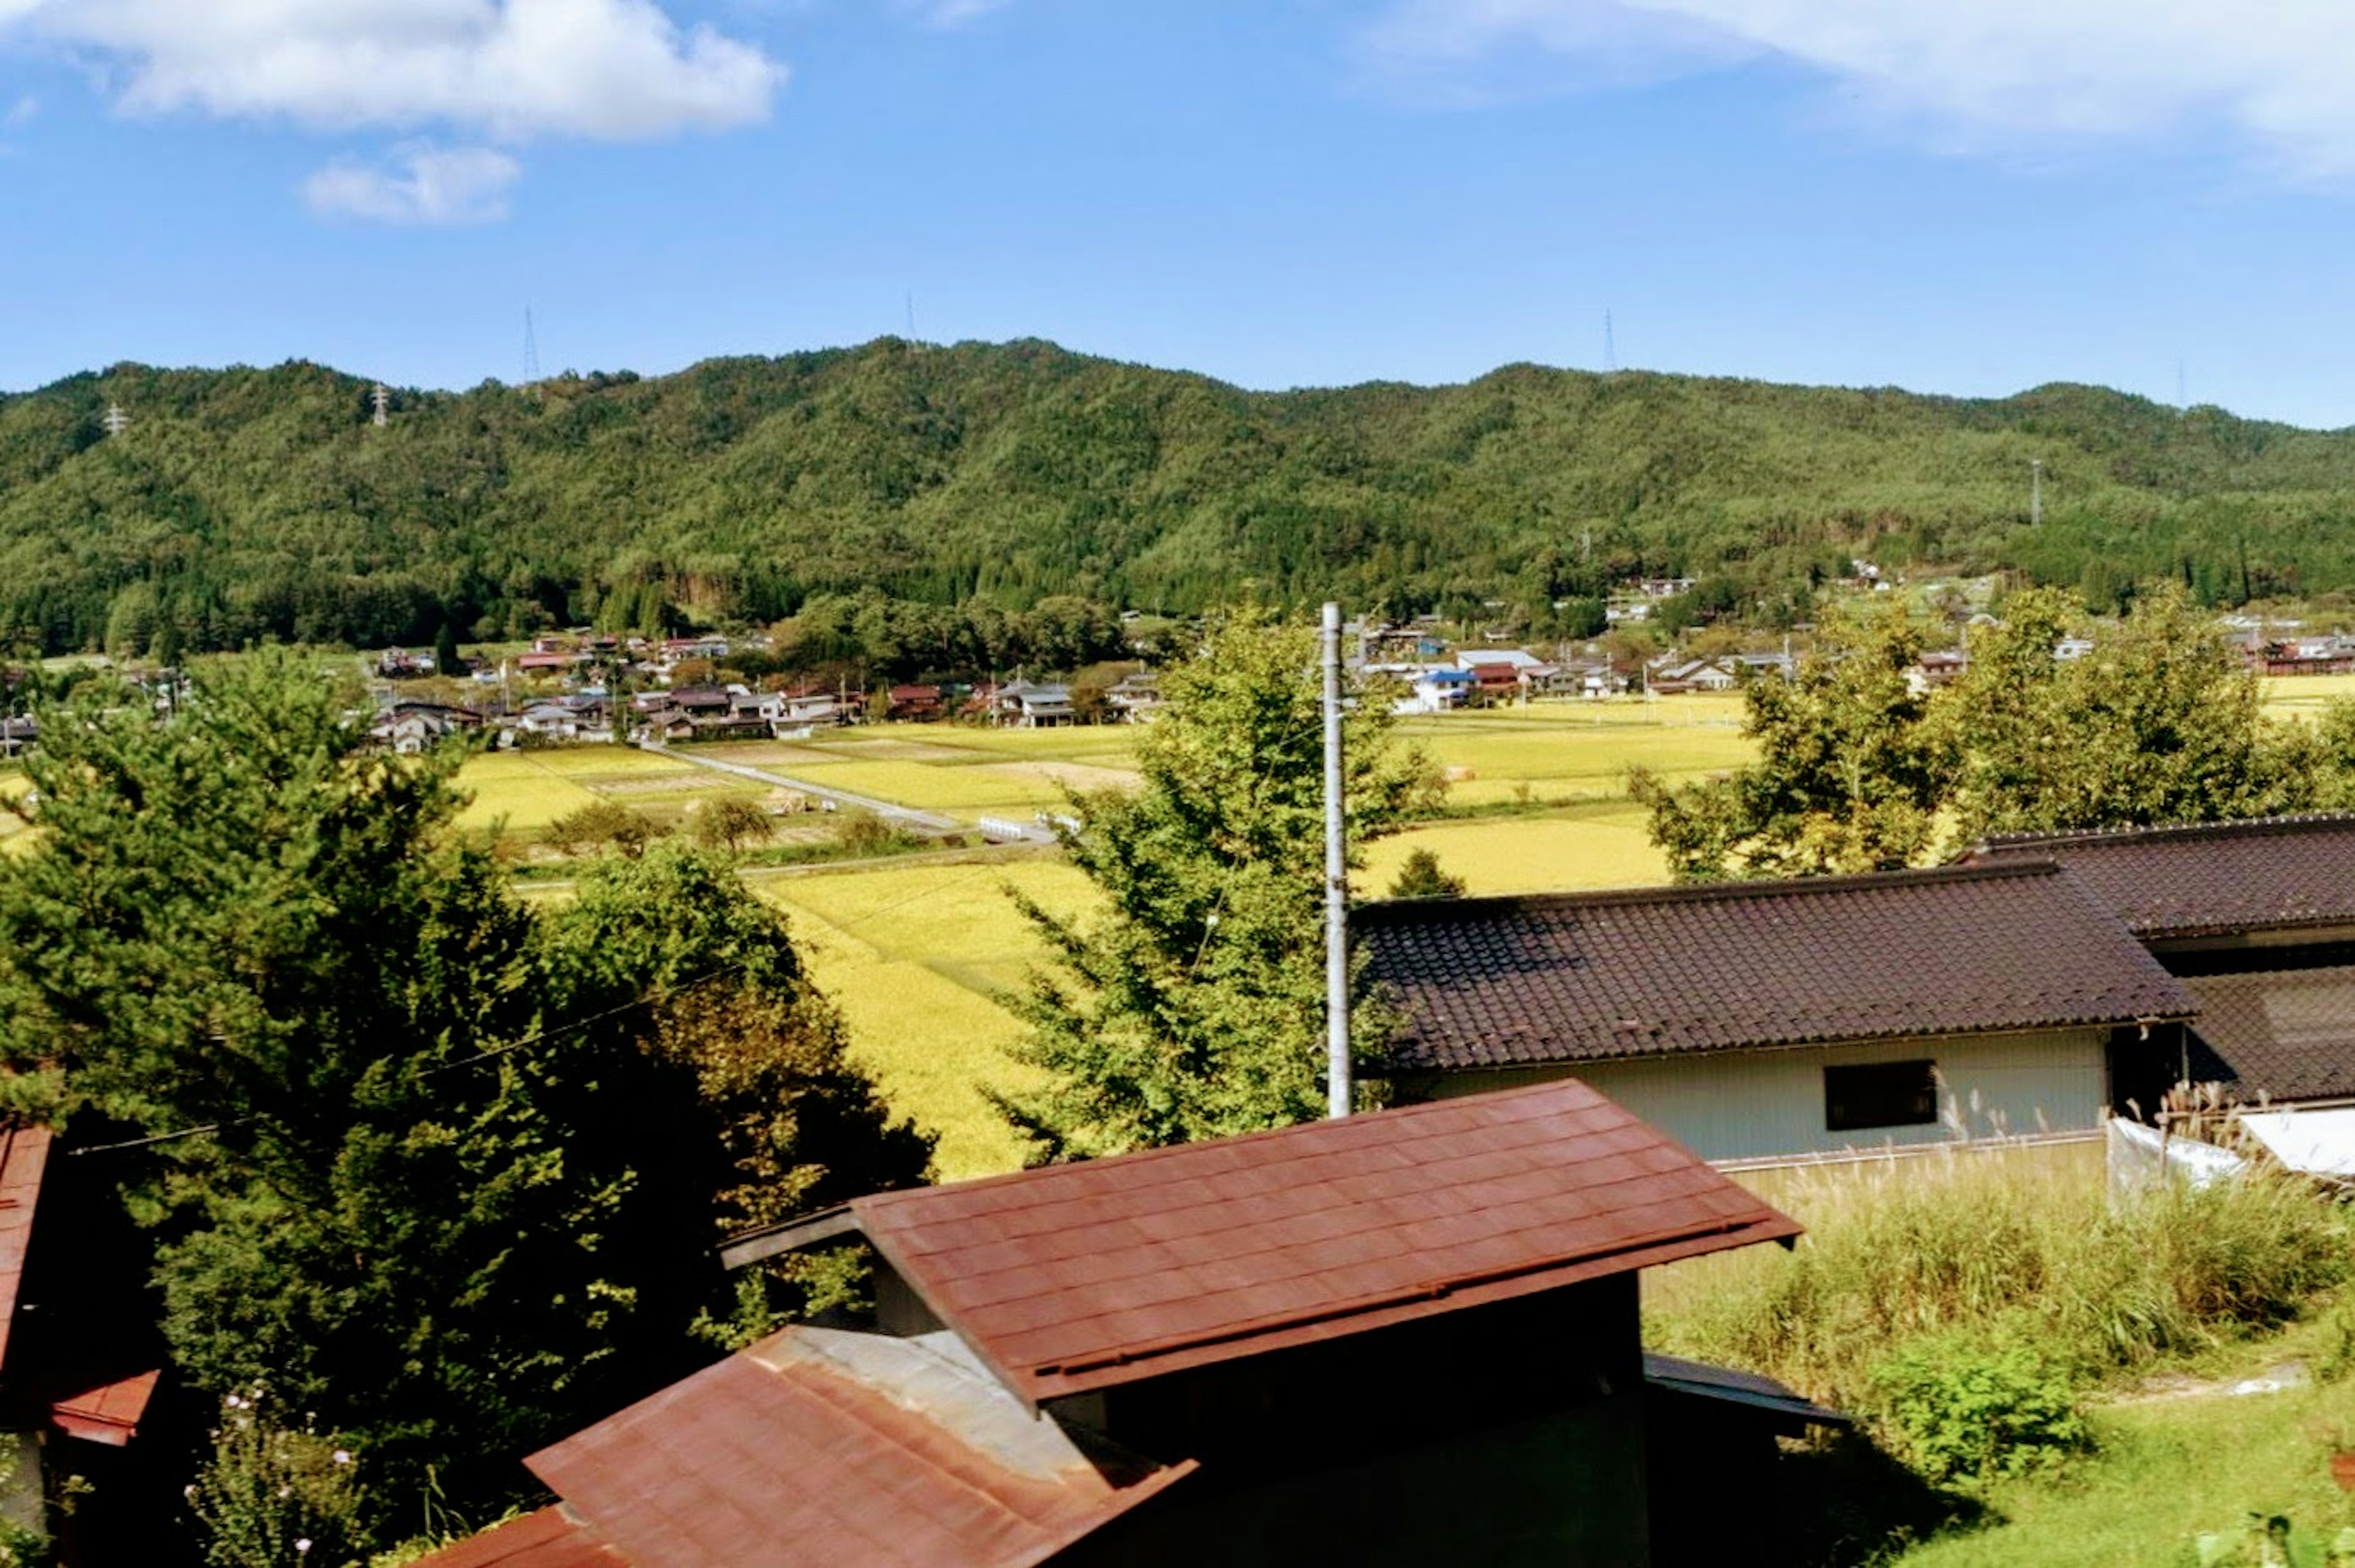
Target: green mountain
x=246 y=503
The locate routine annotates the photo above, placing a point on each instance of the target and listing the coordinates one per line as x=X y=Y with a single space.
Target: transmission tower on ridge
x=381 y=401
x=1610 y=344
x=530 y=350
x=116 y=420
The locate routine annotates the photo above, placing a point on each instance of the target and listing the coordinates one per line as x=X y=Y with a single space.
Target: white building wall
x=1758 y=1104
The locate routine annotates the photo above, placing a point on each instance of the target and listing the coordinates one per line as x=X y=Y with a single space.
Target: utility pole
x=116 y=420
x=2035 y=490
x=381 y=401
x=1610 y=344
x=1338 y=1088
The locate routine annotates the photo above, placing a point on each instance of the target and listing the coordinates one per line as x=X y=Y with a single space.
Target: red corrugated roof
x=547 y=1538
x=834 y=1449
x=24 y=1155
x=1081 y=1276
x=109 y=1414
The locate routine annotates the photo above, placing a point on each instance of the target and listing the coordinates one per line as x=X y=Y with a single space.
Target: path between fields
x=929 y=822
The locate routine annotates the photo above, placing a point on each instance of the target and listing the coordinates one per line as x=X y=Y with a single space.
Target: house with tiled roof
x=1778 y=1020
x=2256 y=919
x=1408 y=1337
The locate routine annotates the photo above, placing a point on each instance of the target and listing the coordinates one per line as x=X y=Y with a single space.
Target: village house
x=1255 y=1352
x=1772 y=1021
x=912 y=702
x=2256 y=919
x=1031 y=704
x=1136 y=695
x=411 y=728
x=17 y=736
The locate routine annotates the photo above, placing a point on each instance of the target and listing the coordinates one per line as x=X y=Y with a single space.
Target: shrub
x=864 y=833
x=601 y=823
x=271 y=1494
x=1960 y=1411
x=1420 y=877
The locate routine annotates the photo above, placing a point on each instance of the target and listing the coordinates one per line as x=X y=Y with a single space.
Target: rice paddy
x=919 y=955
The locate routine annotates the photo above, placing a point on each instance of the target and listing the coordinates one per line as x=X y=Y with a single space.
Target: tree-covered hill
x=246 y=503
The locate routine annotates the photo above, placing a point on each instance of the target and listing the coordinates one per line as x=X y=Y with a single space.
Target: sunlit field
x=2303 y=696
x=526 y=791
x=915 y=956
x=1555 y=752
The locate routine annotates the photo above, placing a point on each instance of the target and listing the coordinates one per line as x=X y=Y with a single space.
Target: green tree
x=1857 y=772
x=2154 y=724
x=1191 y=1005
x=446 y=661
x=1850 y=775
x=1420 y=878
x=730 y=823
x=440 y=1170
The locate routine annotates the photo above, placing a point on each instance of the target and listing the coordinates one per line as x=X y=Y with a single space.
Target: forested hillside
x=241 y=503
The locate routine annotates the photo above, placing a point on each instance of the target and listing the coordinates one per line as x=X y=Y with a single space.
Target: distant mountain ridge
x=245 y=503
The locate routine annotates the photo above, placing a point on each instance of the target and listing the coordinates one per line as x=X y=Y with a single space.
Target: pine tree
x=1192 y=1006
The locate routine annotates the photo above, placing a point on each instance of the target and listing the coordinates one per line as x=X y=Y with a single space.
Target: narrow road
x=921 y=821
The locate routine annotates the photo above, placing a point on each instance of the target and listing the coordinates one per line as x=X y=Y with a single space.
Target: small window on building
x=1882 y=1095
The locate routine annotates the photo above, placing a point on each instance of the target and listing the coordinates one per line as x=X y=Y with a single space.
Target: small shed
x=1409 y=1337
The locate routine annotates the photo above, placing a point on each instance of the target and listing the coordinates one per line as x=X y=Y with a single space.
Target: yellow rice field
x=914 y=956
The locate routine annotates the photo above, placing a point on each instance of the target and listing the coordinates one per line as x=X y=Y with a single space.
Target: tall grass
x=1976 y=1245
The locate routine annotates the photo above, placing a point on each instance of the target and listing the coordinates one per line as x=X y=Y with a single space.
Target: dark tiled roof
x=2284 y=1034
x=1081 y=1277
x=546 y=1539
x=1513 y=982
x=2208 y=878
x=841 y=1450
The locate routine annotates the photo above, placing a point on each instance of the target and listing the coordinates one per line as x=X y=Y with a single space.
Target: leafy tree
x=602 y=825
x=1850 y=775
x=446 y=661
x=1192 y=1005
x=2155 y=724
x=1420 y=878
x=1856 y=769
x=730 y=823
x=440 y=1170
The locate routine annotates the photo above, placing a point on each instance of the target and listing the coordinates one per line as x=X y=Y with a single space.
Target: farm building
x=2257 y=920
x=1257 y=1350
x=1774 y=1020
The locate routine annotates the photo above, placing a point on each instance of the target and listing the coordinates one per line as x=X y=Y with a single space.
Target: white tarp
x=2318 y=1143
x=2138 y=1155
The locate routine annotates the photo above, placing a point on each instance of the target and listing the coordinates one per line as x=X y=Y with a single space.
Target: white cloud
x=957 y=13
x=1999 y=70
x=508 y=70
x=21 y=112
x=419 y=185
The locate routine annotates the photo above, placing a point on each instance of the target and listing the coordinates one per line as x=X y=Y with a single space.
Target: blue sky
x=1967 y=199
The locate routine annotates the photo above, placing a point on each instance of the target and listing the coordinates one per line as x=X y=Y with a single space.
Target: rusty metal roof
x=24 y=1156
x=823 y=1447
x=548 y=1538
x=108 y=1414
x=1081 y=1276
x=2207 y=878
x=1721 y=966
